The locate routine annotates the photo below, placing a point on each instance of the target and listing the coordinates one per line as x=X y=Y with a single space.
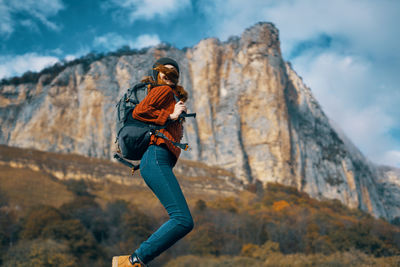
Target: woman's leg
x=156 y=170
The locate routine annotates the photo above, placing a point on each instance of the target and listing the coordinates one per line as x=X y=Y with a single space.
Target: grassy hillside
x=76 y=211
x=42 y=177
x=24 y=188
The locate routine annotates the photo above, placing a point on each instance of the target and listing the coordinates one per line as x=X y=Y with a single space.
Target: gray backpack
x=133 y=136
x=128 y=102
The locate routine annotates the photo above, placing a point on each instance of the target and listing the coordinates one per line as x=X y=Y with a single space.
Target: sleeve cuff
x=162 y=118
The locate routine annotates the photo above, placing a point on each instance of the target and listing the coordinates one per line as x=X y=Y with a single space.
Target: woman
x=164 y=102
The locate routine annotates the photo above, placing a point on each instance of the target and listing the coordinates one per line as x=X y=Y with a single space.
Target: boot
x=127 y=261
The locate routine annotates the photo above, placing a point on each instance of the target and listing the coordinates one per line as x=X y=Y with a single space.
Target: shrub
x=37 y=219
x=39 y=253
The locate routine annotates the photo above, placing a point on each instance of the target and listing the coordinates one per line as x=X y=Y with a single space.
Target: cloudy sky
x=347 y=51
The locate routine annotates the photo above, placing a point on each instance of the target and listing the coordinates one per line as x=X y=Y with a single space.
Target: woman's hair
x=172 y=75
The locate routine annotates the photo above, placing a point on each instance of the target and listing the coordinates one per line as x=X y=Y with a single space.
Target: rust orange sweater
x=156 y=108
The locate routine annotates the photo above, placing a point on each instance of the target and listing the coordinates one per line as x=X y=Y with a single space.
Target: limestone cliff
x=255 y=117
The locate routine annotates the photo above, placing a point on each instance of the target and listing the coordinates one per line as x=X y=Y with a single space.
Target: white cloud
x=148 y=9
x=392 y=158
x=231 y=17
x=146 y=40
x=110 y=41
x=35 y=10
x=352 y=95
x=69 y=57
x=354 y=77
x=368 y=24
x=6 y=23
x=113 y=41
x=17 y=65
x=330 y=74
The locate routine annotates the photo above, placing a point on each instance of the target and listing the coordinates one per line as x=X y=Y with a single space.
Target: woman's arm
x=155 y=107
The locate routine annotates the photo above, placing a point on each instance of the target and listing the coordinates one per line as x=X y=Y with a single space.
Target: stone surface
x=255 y=118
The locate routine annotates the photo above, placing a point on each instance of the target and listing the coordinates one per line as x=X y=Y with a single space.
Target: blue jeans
x=156 y=170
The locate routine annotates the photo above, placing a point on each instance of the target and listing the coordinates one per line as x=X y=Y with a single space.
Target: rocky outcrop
x=255 y=117
x=389 y=188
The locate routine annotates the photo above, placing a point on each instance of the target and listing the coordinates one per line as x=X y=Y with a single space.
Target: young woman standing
x=164 y=103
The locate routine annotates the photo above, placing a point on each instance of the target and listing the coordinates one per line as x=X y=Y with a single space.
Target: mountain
x=255 y=117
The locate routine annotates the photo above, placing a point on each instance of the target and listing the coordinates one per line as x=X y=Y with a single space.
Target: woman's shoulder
x=161 y=93
x=162 y=89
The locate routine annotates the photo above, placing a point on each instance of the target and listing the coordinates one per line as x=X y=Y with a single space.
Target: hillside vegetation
x=85 y=222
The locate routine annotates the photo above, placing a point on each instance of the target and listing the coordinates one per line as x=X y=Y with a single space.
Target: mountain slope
x=29 y=164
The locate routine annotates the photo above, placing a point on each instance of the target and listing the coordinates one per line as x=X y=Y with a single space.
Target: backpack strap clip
x=127 y=163
x=157 y=133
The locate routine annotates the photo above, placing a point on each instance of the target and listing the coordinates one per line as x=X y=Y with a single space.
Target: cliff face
x=255 y=117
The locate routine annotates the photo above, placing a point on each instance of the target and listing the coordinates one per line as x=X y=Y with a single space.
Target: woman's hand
x=178 y=109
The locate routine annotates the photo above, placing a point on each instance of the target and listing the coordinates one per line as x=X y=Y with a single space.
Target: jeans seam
x=168 y=182
x=145 y=162
x=155 y=156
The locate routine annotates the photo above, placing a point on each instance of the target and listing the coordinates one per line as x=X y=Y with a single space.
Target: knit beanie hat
x=164 y=61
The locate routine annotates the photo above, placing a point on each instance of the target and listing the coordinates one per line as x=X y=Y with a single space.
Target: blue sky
x=347 y=51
